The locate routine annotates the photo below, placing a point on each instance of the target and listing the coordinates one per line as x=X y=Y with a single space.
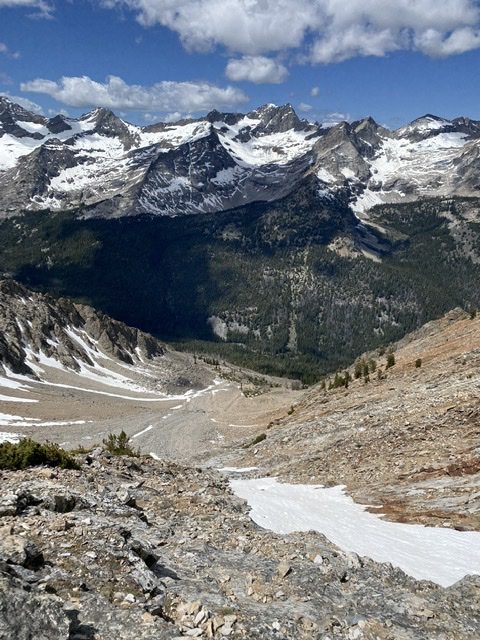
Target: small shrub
x=358 y=371
x=473 y=314
x=418 y=363
x=28 y=453
x=260 y=438
x=390 y=360
x=119 y=445
x=291 y=410
x=340 y=381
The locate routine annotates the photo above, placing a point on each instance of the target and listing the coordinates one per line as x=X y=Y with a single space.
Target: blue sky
x=151 y=60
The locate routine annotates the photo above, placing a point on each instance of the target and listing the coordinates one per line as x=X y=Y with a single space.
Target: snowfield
x=440 y=555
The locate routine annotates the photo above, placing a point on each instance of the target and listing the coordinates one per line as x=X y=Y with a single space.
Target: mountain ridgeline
x=281 y=244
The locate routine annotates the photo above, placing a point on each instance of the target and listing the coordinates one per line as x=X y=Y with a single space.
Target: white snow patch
x=12 y=399
x=238 y=469
x=9 y=437
x=136 y=435
x=325 y=176
x=441 y=555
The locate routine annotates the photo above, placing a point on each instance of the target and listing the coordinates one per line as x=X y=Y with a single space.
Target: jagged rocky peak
x=58 y=124
x=227 y=118
x=368 y=135
x=277 y=119
x=14 y=120
x=17 y=112
x=106 y=123
x=467 y=126
x=34 y=326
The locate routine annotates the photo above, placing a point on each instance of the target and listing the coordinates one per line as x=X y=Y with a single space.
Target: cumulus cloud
x=257 y=69
x=249 y=27
x=114 y=93
x=315 y=92
x=42 y=8
x=337 y=30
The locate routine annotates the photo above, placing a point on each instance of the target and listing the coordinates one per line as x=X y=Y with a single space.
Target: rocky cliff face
x=34 y=327
x=112 y=168
x=135 y=549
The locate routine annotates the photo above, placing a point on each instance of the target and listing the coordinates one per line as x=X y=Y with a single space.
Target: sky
x=160 y=60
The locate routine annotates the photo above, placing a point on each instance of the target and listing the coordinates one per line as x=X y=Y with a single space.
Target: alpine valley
x=281 y=244
x=213 y=422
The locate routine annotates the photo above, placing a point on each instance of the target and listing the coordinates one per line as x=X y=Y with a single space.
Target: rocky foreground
x=134 y=549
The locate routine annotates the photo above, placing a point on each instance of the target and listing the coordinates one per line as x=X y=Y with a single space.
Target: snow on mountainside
x=225 y=160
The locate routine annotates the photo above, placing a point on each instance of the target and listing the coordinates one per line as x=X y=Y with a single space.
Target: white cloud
x=436 y=44
x=303 y=106
x=315 y=92
x=249 y=27
x=333 y=118
x=257 y=69
x=114 y=93
x=6 y=51
x=43 y=8
x=338 y=29
x=23 y=102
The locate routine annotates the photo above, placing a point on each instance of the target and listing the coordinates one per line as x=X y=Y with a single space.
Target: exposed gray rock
x=199 y=567
x=42 y=325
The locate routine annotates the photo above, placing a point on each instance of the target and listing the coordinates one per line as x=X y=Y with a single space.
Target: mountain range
x=268 y=240
x=111 y=168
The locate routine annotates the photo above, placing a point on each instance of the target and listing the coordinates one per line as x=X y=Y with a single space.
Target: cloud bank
x=114 y=93
x=326 y=31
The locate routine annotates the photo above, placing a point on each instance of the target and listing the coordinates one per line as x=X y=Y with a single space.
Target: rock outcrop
x=33 y=325
x=135 y=549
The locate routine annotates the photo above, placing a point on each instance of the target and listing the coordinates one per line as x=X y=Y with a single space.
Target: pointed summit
x=12 y=115
x=277 y=119
x=106 y=123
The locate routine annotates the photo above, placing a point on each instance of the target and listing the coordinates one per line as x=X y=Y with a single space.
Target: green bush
x=119 y=445
x=418 y=363
x=28 y=453
x=390 y=360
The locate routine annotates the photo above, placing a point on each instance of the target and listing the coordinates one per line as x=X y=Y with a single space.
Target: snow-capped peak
x=224 y=160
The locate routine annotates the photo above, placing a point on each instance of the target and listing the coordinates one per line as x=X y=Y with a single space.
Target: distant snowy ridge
x=109 y=167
